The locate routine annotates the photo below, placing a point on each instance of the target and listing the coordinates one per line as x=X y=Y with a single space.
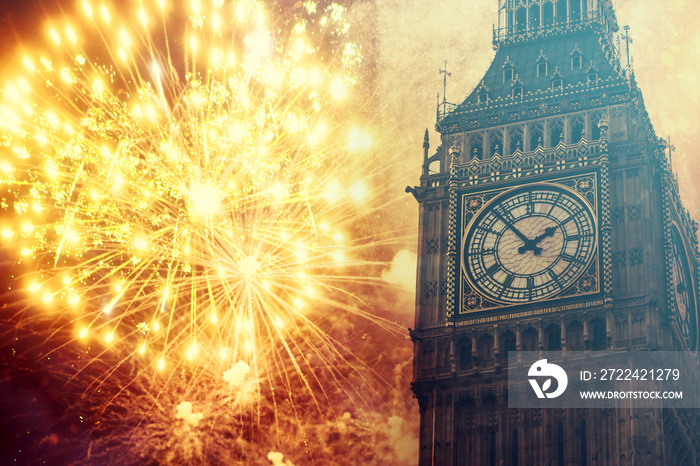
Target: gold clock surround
x=519 y=271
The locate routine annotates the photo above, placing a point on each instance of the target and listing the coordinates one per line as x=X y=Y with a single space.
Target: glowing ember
x=206 y=200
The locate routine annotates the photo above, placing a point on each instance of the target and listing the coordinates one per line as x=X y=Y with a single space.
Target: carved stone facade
x=555 y=109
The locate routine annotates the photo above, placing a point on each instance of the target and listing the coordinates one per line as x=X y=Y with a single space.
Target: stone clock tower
x=550 y=219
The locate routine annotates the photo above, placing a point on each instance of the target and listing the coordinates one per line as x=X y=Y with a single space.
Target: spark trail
x=181 y=191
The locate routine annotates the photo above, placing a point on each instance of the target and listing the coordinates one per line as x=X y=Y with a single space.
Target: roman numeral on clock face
x=488 y=230
x=529 y=244
x=569 y=258
x=554 y=277
x=554 y=203
x=508 y=281
x=504 y=215
x=577 y=237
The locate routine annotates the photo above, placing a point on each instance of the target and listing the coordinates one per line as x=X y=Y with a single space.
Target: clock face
x=683 y=286
x=529 y=244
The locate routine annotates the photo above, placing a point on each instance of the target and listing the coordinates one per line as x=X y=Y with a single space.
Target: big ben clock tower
x=550 y=219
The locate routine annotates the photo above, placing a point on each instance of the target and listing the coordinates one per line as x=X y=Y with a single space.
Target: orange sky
x=416 y=37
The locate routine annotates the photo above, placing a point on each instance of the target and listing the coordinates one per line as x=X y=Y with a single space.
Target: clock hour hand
x=532 y=245
x=549 y=231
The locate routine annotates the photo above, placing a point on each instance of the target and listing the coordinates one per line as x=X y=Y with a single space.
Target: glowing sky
x=416 y=37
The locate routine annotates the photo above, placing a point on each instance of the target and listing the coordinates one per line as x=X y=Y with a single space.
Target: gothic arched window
x=509 y=343
x=515 y=139
x=574 y=336
x=556 y=132
x=637 y=332
x=495 y=143
x=521 y=19
x=484 y=349
x=529 y=340
x=575 y=10
x=465 y=354
x=508 y=74
x=599 y=334
x=548 y=14
x=534 y=16
x=492 y=448
x=576 y=129
x=476 y=146
x=576 y=62
x=553 y=333
x=622 y=330
x=535 y=136
x=561 y=12
x=445 y=360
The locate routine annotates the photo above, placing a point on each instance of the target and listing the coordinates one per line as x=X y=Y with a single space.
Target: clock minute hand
x=512 y=227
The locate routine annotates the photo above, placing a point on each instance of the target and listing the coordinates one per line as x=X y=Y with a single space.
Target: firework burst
x=182 y=201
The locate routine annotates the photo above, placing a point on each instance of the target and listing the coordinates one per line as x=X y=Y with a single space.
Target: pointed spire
x=426 y=147
x=628 y=40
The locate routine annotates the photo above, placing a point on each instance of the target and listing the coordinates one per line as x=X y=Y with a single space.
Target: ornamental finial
x=604 y=124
